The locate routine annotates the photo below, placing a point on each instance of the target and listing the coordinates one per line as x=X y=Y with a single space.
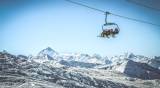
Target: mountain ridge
x=78 y=71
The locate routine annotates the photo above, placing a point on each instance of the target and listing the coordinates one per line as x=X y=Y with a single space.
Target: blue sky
x=30 y=26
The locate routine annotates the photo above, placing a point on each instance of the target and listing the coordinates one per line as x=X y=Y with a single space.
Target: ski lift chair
x=109 y=28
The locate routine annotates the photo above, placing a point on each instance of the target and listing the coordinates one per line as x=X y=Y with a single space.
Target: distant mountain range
x=75 y=70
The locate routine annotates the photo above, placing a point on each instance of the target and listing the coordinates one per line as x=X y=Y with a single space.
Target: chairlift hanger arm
x=106 y=13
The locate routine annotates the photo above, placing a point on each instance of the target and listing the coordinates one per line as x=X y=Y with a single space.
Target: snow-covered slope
x=31 y=74
x=70 y=59
x=155 y=62
x=140 y=70
x=74 y=70
x=95 y=59
x=48 y=52
x=134 y=66
x=130 y=56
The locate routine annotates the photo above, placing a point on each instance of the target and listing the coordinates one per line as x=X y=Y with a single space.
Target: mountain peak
x=129 y=55
x=47 y=51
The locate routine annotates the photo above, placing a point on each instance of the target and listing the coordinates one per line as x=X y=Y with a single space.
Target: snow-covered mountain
x=51 y=69
x=82 y=60
x=95 y=59
x=137 y=69
x=49 y=55
x=155 y=62
x=49 y=52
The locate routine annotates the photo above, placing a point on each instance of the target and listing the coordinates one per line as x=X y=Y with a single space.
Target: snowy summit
x=48 y=51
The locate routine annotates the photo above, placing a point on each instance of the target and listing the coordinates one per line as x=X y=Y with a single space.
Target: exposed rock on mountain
x=139 y=70
x=48 y=53
x=50 y=69
x=155 y=62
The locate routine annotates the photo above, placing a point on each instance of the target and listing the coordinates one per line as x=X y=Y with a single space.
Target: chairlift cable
x=140 y=4
x=133 y=19
x=86 y=6
x=104 y=12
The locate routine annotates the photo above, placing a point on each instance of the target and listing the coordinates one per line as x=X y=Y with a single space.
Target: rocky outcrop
x=18 y=72
x=138 y=70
